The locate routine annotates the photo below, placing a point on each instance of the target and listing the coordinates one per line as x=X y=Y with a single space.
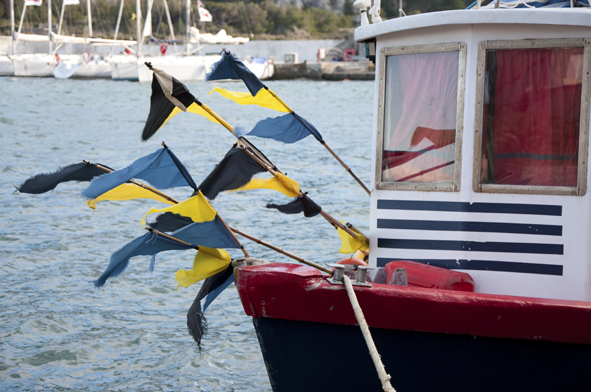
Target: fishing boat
x=479 y=218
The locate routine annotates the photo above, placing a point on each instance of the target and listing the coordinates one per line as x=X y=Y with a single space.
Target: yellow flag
x=127 y=192
x=208 y=262
x=193 y=108
x=281 y=183
x=197 y=208
x=351 y=244
x=263 y=98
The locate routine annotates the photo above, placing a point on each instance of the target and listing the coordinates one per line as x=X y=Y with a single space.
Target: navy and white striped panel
x=527 y=245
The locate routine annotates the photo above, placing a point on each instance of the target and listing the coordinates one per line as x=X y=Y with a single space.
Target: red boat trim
x=295 y=292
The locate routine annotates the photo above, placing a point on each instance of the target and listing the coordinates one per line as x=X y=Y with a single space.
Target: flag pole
x=347 y=168
x=169 y=237
x=221 y=219
x=335 y=223
x=141 y=185
x=106 y=169
x=230 y=128
x=279 y=250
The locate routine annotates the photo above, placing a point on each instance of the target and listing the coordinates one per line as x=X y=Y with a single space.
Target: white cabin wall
x=575 y=283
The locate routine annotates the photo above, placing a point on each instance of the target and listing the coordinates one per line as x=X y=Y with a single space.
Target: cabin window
x=420 y=90
x=532 y=138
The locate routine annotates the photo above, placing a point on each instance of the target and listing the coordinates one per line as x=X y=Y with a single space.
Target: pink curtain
x=537 y=100
x=420 y=143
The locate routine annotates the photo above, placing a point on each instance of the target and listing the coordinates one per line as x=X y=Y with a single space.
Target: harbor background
x=58 y=332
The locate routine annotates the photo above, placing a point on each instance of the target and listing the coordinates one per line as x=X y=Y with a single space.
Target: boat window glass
x=420 y=114
x=531 y=116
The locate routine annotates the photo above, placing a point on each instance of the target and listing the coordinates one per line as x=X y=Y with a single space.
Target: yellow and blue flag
x=127 y=192
x=208 y=262
x=229 y=67
x=263 y=99
x=289 y=128
x=169 y=98
x=161 y=169
x=147 y=245
x=233 y=172
x=196 y=207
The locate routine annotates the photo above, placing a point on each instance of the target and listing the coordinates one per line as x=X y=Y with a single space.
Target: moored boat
x=480 y=145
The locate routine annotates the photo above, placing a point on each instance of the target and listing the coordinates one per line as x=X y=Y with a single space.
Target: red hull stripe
x=294 y=292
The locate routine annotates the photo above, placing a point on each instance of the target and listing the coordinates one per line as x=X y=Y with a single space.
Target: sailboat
x=34 y=64
x=187 y=66
x=88 y=65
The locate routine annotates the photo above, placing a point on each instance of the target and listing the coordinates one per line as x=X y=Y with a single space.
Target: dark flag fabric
x=215 y=293
x=196 y=321
x=45 y=182
x=182 y=169
x=147 y=245
x=169 y=222
x=229 y=67
x=289 y=128
x=169 y=97
x=158 y=168
x=309 y=127
x=212 y=234
x=299 y=204
x=233 y=172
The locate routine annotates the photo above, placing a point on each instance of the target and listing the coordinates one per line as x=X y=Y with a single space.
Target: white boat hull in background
x=183 y=68
x=6 y=66
x=39 y=65
x=124 y=67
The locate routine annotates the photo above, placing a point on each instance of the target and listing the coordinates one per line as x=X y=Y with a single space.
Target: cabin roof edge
x=555 y=16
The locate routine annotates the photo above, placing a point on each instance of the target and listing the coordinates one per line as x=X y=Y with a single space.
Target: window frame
x=581 y=187
x=453 y=186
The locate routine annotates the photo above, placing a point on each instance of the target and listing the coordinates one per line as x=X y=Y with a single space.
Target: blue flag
x=212 y=234
x=229 y=67
x=158 y=168
x=289 y=128
x=217 y=291
x=147 y=245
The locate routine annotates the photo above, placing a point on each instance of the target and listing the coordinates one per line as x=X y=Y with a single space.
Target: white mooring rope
x=373 y=352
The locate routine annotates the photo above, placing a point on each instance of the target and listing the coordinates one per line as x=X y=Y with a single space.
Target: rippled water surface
x=58 y=332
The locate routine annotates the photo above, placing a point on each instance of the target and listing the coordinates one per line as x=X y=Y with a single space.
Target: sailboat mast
x=188 y=23
x=170 y=25
x=138 y=19
x=118 y=20
x=20 y=25
x=89 y=13
x=49 y=24
x=59 y=26
x=11 y=27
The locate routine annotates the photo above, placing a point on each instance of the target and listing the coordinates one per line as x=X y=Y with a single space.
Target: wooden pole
x=324 y=144
x=174 y=201
x=279 y=250
x=230 y=229
x=169 y=237
x=142 y=185
x=335 y=223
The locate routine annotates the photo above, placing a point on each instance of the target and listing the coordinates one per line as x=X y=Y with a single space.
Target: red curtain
x=536 y=98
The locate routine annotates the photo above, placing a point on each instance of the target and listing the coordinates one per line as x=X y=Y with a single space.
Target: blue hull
x=308 y=356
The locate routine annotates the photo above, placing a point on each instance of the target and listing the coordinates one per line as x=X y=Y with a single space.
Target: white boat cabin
x=481 y=144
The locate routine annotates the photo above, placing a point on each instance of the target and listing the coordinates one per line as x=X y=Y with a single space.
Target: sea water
x=57 y=331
